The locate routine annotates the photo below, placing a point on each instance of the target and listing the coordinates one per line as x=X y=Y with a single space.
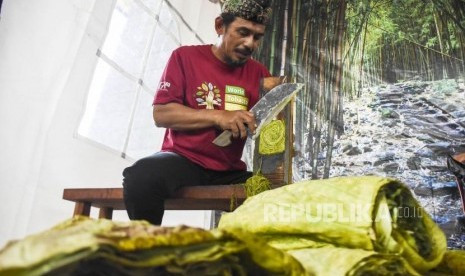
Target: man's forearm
x=180 y=117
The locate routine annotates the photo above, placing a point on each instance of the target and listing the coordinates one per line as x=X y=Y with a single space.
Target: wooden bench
x=216 y=197
x=189 y=198
x=277 y=168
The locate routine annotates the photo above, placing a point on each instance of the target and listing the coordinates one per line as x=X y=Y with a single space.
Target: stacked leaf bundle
x=83 y=246
x=345 y=226
x=341 y=226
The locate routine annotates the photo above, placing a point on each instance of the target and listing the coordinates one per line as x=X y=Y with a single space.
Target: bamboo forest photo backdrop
x=384 y=90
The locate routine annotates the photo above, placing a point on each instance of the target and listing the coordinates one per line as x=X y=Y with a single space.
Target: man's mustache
x=245 y=51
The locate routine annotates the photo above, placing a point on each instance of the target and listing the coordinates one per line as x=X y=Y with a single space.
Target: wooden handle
x=268 y=83
x=224 y=139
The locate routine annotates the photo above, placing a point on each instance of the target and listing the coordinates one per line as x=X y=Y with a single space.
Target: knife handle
x=224 y=139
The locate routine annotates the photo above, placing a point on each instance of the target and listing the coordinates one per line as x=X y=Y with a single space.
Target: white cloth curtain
x=47 y=61
x=141 y=37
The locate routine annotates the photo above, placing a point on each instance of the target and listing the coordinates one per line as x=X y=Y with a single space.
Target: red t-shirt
x=196 y=78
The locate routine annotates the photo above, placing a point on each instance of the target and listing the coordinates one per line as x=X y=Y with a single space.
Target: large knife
x=265 y=110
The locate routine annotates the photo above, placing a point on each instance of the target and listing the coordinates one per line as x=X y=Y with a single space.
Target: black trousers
x=150 y=180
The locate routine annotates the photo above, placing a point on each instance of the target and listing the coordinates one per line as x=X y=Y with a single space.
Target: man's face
x=239 y=40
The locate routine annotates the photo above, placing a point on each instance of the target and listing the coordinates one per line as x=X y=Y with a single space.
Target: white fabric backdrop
x=47 y=58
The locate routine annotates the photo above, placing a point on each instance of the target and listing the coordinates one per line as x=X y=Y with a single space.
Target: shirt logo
x=164 y=85
x=208 y=95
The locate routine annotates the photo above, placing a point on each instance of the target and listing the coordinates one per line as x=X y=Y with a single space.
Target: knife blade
x=265 y=110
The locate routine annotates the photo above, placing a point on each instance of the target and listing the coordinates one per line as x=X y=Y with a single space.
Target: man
x=204 y=90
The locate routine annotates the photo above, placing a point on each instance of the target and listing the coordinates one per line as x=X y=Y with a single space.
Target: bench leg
x=82 y=209
x=105 y=212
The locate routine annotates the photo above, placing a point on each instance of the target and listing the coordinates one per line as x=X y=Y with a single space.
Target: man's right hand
x=237 y=122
